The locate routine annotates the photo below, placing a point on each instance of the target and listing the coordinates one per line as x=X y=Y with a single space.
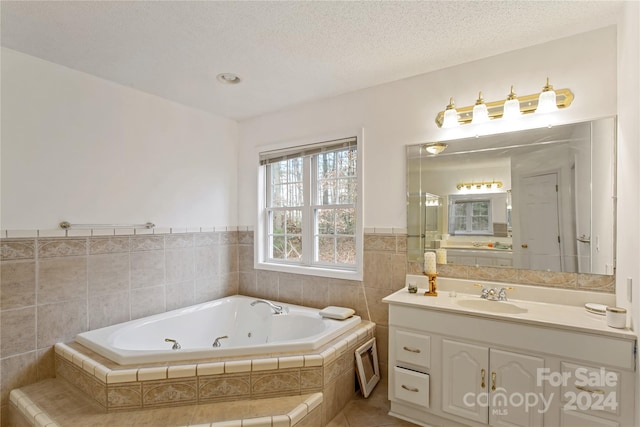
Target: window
x=310 y=220
x=470 y=217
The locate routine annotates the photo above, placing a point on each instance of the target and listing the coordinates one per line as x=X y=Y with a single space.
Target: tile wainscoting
x=56 y=287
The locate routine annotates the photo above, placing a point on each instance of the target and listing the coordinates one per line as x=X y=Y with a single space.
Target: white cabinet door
x=578 y=419
x=516 y=397
x=465 y=379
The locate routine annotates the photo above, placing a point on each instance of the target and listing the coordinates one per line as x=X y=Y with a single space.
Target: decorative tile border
x=94 y=232
x=206 y=382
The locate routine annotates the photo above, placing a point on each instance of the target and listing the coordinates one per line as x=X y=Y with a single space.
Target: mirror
x=538 y=199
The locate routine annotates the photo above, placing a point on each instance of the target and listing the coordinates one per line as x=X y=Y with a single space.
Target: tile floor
x=370 y=412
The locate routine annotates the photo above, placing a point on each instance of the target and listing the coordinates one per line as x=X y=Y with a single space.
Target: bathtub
x=250 y=330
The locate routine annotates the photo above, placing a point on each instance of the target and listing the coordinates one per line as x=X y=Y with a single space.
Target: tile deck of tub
x=56 y=403
x=328 y=374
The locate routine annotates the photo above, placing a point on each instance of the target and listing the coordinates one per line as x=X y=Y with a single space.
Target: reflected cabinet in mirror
x=539 y=199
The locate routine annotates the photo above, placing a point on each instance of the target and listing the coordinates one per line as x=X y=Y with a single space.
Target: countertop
x=559 y=316
x=476 y=248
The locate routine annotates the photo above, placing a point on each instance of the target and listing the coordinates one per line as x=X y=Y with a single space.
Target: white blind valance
x=274 y=156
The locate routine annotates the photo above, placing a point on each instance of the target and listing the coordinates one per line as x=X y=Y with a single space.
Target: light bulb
x=480 y=112
x=450 y=116
x=547 y=99
x=511 y=109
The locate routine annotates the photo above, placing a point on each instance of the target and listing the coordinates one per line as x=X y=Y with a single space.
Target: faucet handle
x=484 y=292
x=502 y=293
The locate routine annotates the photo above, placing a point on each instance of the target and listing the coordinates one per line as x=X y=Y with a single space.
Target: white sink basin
x=491 y=306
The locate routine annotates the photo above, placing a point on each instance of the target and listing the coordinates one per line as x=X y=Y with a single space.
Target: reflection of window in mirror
x=470 y=217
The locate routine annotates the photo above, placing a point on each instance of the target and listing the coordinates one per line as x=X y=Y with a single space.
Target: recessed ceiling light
x=228 y=78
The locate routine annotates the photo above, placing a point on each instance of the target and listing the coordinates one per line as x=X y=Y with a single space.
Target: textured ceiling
x=286 y=53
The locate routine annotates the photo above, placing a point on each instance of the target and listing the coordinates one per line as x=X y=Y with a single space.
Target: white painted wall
x=82 y=149
x=403 y=112
x=628 y=182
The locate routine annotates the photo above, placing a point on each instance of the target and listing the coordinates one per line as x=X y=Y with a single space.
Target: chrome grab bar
x=65 y=225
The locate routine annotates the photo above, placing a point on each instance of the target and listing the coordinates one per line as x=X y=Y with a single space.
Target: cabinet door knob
x=483 y=373
x=410 y=349
x=524 y=246
x=412 y=389
x=493 y=381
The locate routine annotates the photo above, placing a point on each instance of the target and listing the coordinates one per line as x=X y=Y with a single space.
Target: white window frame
x=261 y=261
x=467 y=201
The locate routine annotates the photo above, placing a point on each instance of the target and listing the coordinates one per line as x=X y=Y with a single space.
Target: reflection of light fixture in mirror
x=450 y=116
x=435 y=148
x=547 y=101
x=511 y=106
x=480 y=112
x=478 y=185
x=432 y=202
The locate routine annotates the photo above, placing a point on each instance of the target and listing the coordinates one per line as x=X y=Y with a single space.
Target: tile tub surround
x=55 y=403
x=222 y=265
x=330 y=371
x=54 y=288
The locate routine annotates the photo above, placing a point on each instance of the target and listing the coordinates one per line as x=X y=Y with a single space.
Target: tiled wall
x=53 y=288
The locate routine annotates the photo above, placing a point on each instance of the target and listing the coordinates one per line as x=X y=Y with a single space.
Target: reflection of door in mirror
x=539 y=216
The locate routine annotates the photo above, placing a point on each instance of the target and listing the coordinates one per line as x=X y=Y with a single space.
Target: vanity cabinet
x=480 y=257
x=477 y=382
x=457 y=368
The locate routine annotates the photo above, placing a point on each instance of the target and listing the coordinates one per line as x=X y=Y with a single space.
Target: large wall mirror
x=539 y=199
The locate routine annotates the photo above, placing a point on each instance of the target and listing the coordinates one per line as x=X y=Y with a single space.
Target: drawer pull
x=493 y=381
x=410 y=349
x=483 y=373
x=589 y=390
x=413 y=389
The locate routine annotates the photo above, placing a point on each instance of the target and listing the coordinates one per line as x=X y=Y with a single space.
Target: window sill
x=310 y=271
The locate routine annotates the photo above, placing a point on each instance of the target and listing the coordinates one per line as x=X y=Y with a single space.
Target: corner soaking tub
x=249 y=330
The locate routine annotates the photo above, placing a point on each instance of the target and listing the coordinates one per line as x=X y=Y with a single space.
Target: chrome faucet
x=493 y=294
x=176 y=344
x=277 y=309
x=216 y=342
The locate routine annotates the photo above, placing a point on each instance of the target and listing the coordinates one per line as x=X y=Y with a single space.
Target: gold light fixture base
x=528 y=104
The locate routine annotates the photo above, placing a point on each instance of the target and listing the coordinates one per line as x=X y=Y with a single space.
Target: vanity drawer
x=587 y=388
x=413 y=348
x=411 y=386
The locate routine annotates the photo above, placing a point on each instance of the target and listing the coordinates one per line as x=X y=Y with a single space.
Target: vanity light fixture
x=480 y=112
x=534 y=103
x=547 y=100
x=435 y=148
x=511 y=106
x=450 y=118
x=478 y=185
